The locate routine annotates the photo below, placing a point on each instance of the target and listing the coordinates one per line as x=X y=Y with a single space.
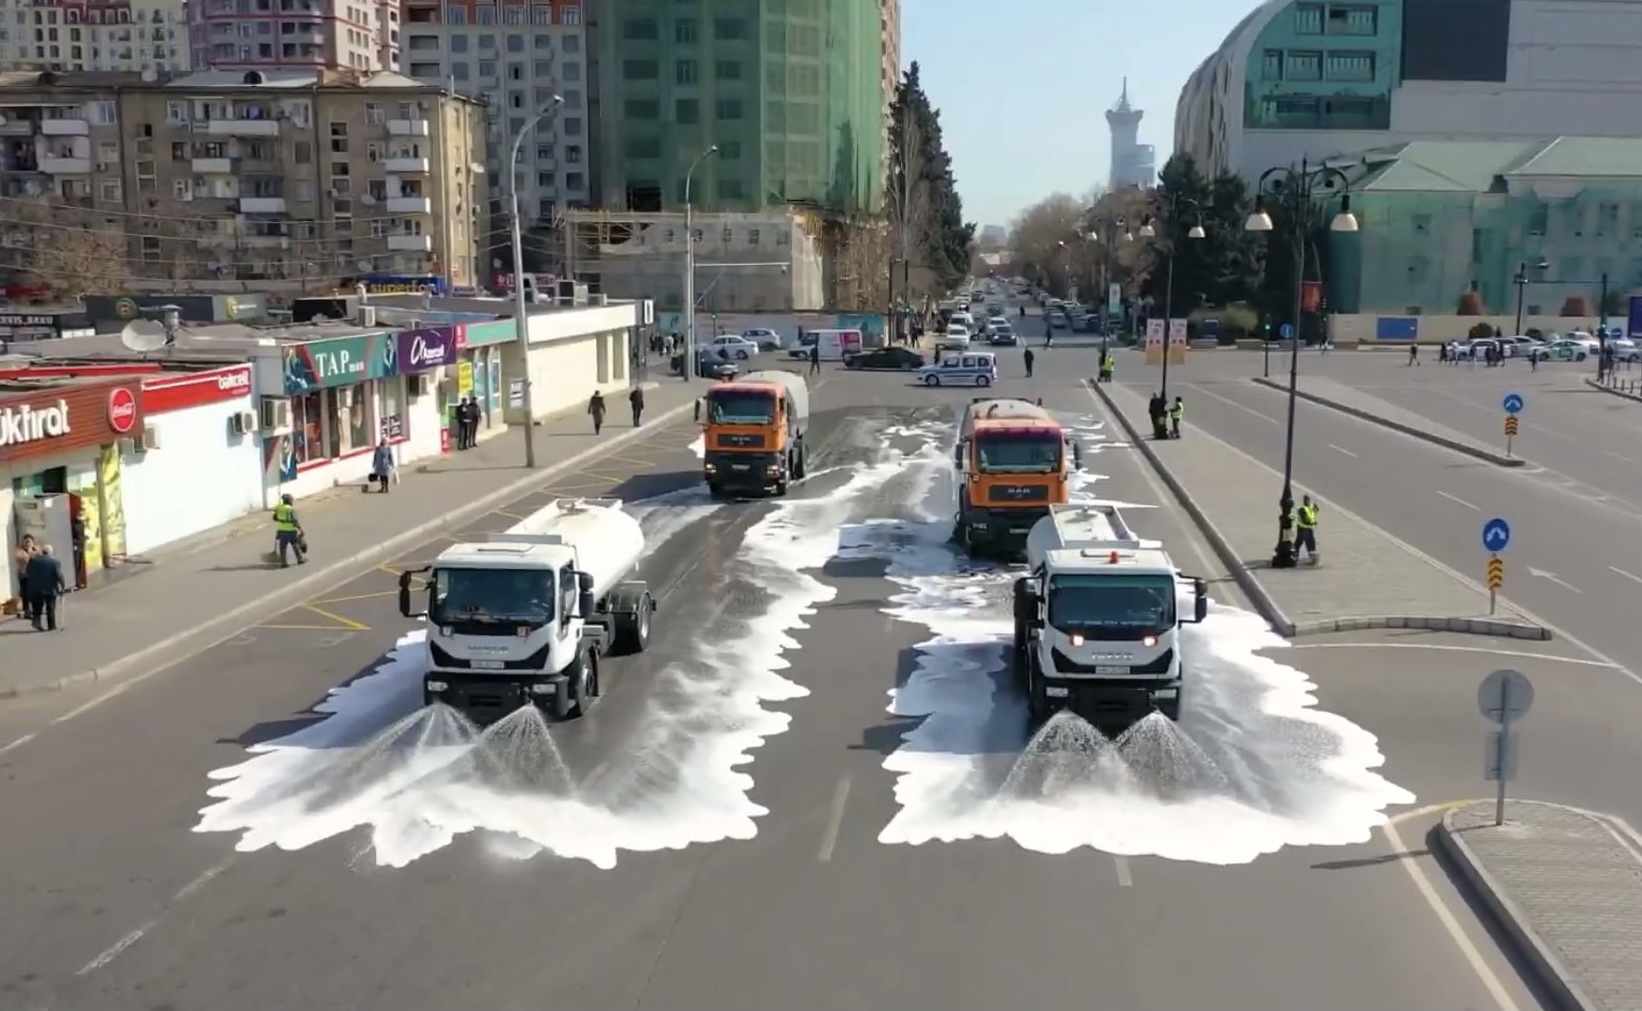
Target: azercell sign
x=32 y=423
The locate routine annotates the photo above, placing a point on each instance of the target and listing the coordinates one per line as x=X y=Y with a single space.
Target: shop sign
x=178 y=392
x=339 y=361
x=485 y=334
x=122 y=410
x=25 y=423
x=421 y=350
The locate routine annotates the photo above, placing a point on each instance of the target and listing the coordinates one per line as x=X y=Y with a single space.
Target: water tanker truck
x=1097 y=621
x=1015 y=462
x=756 y=431
x=526 y=616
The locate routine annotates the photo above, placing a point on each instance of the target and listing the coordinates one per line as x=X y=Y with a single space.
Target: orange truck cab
x=1014 y=461
x=755 y=430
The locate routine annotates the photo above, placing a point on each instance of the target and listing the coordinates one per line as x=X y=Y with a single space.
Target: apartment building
x=278 y=176
x=294 y=34
x=126 y=35
x=889 y=44
x=520 y=54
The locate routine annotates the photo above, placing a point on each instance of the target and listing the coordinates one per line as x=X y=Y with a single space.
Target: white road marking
x=184 y=893
x=17 y=743
x=1460 y=501
x=1241 y=407
x=835 y=820
x=1124 y=878
x=112 y=952
x=1452 y=649
x=1619 y=456
x=1342 y=449
x=1633 y=577
x=1554 y=578
x=86 y=707
x=1468 y=950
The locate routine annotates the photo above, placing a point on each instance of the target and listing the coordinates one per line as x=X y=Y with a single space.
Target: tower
x=1132 y=162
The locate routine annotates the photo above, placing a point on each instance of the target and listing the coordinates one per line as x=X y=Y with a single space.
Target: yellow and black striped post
x=1496 y=579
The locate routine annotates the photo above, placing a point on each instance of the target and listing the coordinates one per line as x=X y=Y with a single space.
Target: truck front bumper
x=743 y=472
x=1002 y=530
x=486 y=698
x=1112 y=706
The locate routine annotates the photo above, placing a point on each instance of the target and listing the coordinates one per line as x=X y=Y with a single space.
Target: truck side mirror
x=586 y=605
x=1026 y=602
x=1201 y=604
x=405 y=594
x=958 y=456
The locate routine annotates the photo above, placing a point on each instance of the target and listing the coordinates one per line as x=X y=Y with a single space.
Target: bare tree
x=911 y=204
x=864 y=266
x=68 y=249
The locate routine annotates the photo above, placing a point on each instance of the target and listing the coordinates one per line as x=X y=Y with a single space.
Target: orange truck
x=756 y=434
x=1014 y=461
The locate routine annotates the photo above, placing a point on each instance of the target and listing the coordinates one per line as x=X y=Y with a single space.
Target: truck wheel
x=781 y=487
x=583 y=690
x=631 y=611
x=1037 y=703
x=714 y=491
x=802 y=470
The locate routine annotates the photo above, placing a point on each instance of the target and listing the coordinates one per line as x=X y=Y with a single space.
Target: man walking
x=1177 y=414
x=635 y=400
x=815 y=358
x=1305 y=535
x=288 y=533
x=595 y=410
x=45 y=585
x=1029 y=357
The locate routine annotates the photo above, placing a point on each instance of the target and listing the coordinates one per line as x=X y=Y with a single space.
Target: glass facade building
x=791 y=91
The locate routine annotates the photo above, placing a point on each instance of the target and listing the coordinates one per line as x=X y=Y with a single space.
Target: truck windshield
x=1111 y=605
x=474 y=598
x=1019 y=452
x=740 y=407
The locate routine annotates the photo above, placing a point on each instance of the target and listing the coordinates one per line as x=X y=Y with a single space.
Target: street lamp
x=690 y=267
x=1299 y=190
x=1148 y=230
x=521 y=308
x=1521 y=281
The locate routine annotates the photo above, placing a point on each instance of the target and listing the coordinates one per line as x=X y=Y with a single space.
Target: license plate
x=741 y=466
x=1111 y=670
x=1020 y=530
x=487 y=665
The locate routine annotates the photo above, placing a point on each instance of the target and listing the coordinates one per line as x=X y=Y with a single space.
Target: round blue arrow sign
x=1513 y=403
x=1286 y=331
x=1496 y=534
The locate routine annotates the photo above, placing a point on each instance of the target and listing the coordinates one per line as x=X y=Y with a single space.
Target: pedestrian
x=815 y=358
x=1413 y=354
x=1158 y=410
x=1305 y=536
x=595 y=410
x=46 y=584
x=381 y=466
x=635 y=400
x=1108 y=367
x=288 y=534
x=27 y=548
x=471 y=422
x=460 y=414
x=1177 y=414
x=1029 y=357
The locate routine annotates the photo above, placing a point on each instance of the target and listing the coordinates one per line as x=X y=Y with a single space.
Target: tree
x=923 y=195
x=863 y=276
x=68 y=249
x=1471 y=304
x=1576 y=305
x=1224 y=266
x=1036 y=236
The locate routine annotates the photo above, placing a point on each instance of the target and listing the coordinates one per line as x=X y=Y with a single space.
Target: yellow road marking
x=630 y=460
x=562 y=490
x=359 y=596
x=610 y=478
x=347 y=623
x=305 y=628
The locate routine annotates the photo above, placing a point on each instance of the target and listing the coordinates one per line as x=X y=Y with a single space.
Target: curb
x=1540 y=956
x=1593 y=384
x=1256 y=594
x=1461 y=626
x=1489 y=456
x=225 y=626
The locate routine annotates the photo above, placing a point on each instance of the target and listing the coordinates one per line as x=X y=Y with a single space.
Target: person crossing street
x=1029 y=358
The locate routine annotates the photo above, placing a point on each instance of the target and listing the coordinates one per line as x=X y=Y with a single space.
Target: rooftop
x=201 y=344
x=12 y=387
x=215 y=80
x=1479 y=166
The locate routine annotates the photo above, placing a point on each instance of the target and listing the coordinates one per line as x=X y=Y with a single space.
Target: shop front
x=342 y=395
x=61 y=451
x=478 y=372
x=429 y=359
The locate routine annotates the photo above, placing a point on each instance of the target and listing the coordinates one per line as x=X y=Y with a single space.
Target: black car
x=892 y=359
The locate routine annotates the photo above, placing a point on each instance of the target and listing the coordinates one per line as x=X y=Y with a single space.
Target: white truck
x=1097 y=620
x=525 y=617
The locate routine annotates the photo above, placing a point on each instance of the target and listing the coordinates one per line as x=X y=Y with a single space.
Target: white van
x=971 y=368
x=833 y=345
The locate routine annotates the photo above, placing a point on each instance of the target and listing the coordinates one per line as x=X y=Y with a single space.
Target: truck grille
x=1066 y=665
x=741 y=440
x=534 y=662
x=1018 y=493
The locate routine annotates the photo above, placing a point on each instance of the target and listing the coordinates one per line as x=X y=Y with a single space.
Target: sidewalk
x=186 y=600
x=1368 y=579
x=1360 y=404
x=1566 y=887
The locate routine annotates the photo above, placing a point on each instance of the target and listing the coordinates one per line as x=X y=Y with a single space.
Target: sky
x=1023 y=88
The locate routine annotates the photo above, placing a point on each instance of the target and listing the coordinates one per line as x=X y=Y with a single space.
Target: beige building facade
x=288 y=179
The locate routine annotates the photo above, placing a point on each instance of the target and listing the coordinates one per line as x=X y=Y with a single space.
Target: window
x=684 y=30
x=111 y=192
x=574 y=181
x=570 y=71
x=684 y=72
x=1539 y=220
x=571 y=15
x=1419 y=270
x=729 y=150
x=542 y=43
x=642 y=147
x=1349 y=20
x=641 y=108
x=571 y=126
x=729 y=29
x=687 y=111
x=361 y=429
x=730 y=189
x=570 y=43
x=176 y=113
x=1350 y=65
x=308 y=428
x=1308 y=19
x=1302 y=66
x=1271 y=66
x=515 y=43
x=1422 y=224
x=729 y=109
x=639 y=29
x=395 y=425
x=639 y=70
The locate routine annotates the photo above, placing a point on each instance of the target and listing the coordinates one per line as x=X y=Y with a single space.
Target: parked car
x=738 y=347
x=896 y=359
x=709 y=365
x=765 y=338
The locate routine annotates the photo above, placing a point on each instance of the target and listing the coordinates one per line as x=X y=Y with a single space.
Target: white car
x=979 y=368
x=956 y=338
x=765 y=338
x=737 y=346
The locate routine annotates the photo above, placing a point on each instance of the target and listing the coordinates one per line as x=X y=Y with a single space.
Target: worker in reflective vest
x=1177 y=414
x=1305 y=522
x=1108 y=367
x=288 y=533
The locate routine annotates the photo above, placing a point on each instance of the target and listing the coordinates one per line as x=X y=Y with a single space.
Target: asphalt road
x=113 y=901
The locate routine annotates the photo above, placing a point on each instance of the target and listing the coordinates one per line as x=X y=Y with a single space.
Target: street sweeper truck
x=525 y=617
x=756 y=431
x=1015 y=462
x=1097 y=620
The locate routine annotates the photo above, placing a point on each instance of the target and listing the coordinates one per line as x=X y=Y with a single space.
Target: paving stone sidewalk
x=1362 y=404
x=1566 y=886
x=186 y=598
x=1367 y=579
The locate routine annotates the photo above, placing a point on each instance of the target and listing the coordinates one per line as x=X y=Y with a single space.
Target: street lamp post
x=1148 y=230
x=689 y=368
x=1521 y=281
x=1299 y=189
x=1110 y=232
x=521 y=307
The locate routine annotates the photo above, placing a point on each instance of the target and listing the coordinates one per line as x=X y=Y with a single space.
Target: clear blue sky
x=1023 y=87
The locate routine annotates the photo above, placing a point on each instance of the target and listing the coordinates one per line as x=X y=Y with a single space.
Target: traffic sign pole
x=1505 y=745
x=1513 y=405
x=1504 y=698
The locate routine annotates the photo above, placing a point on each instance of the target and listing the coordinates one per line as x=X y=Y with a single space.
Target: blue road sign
x=1496 y=534
x=1286 y=331
x=1513 y=403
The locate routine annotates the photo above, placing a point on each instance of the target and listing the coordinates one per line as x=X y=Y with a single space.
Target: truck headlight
x=711 y=468
x=435 y=686
x=1057 y=693
x=1149 y=641
x=541 y=689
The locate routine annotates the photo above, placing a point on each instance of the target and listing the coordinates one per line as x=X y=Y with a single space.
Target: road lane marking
x=1460 y=501
x=1341 y=449
x=1450 y=924
x=17 y=743
x=113 y=951
x=88 y=706
x=835 y=820
x=1124 y=878
x=184 y=893
x=1633 y=577
x=347 y=623
x=1451 y=649
x=1619 y=456
x=359 y=596
x=1241 y=407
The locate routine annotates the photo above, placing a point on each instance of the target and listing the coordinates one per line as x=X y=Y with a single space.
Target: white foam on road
x=681 y=779
x=699 y=447
x=1294 y=775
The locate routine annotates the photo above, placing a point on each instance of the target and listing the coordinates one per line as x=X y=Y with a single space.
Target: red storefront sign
x=56 y=419
x=178 y=392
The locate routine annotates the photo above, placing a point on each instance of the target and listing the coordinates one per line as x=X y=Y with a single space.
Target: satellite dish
x=318 y=319
x=143 y=336
x=365 y=265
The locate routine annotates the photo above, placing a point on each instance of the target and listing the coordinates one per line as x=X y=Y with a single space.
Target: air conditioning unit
x=127 y=446
x=243 y=422
x=367 y=315
x=150 y=439
x=421 y=384
x=276 y=414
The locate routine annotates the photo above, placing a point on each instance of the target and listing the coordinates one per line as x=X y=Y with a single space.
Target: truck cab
x=754 y=433
x=1097 y=621
x=1015 y=463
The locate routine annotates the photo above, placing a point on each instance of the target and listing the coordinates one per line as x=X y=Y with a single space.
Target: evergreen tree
x=1225 y=265
x=923 y=196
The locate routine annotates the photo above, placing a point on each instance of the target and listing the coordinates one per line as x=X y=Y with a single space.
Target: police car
x=972 y=368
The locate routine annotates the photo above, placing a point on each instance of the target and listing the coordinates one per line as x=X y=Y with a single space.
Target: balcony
x=267 y=242
x=65 y=127
x=410 y=205
x=65 y=166
x=410 y=243
x=213 y=166
x=405 y=166
x=243 y=127
x=17 y=128
x=407 y=128
x=262 y=205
